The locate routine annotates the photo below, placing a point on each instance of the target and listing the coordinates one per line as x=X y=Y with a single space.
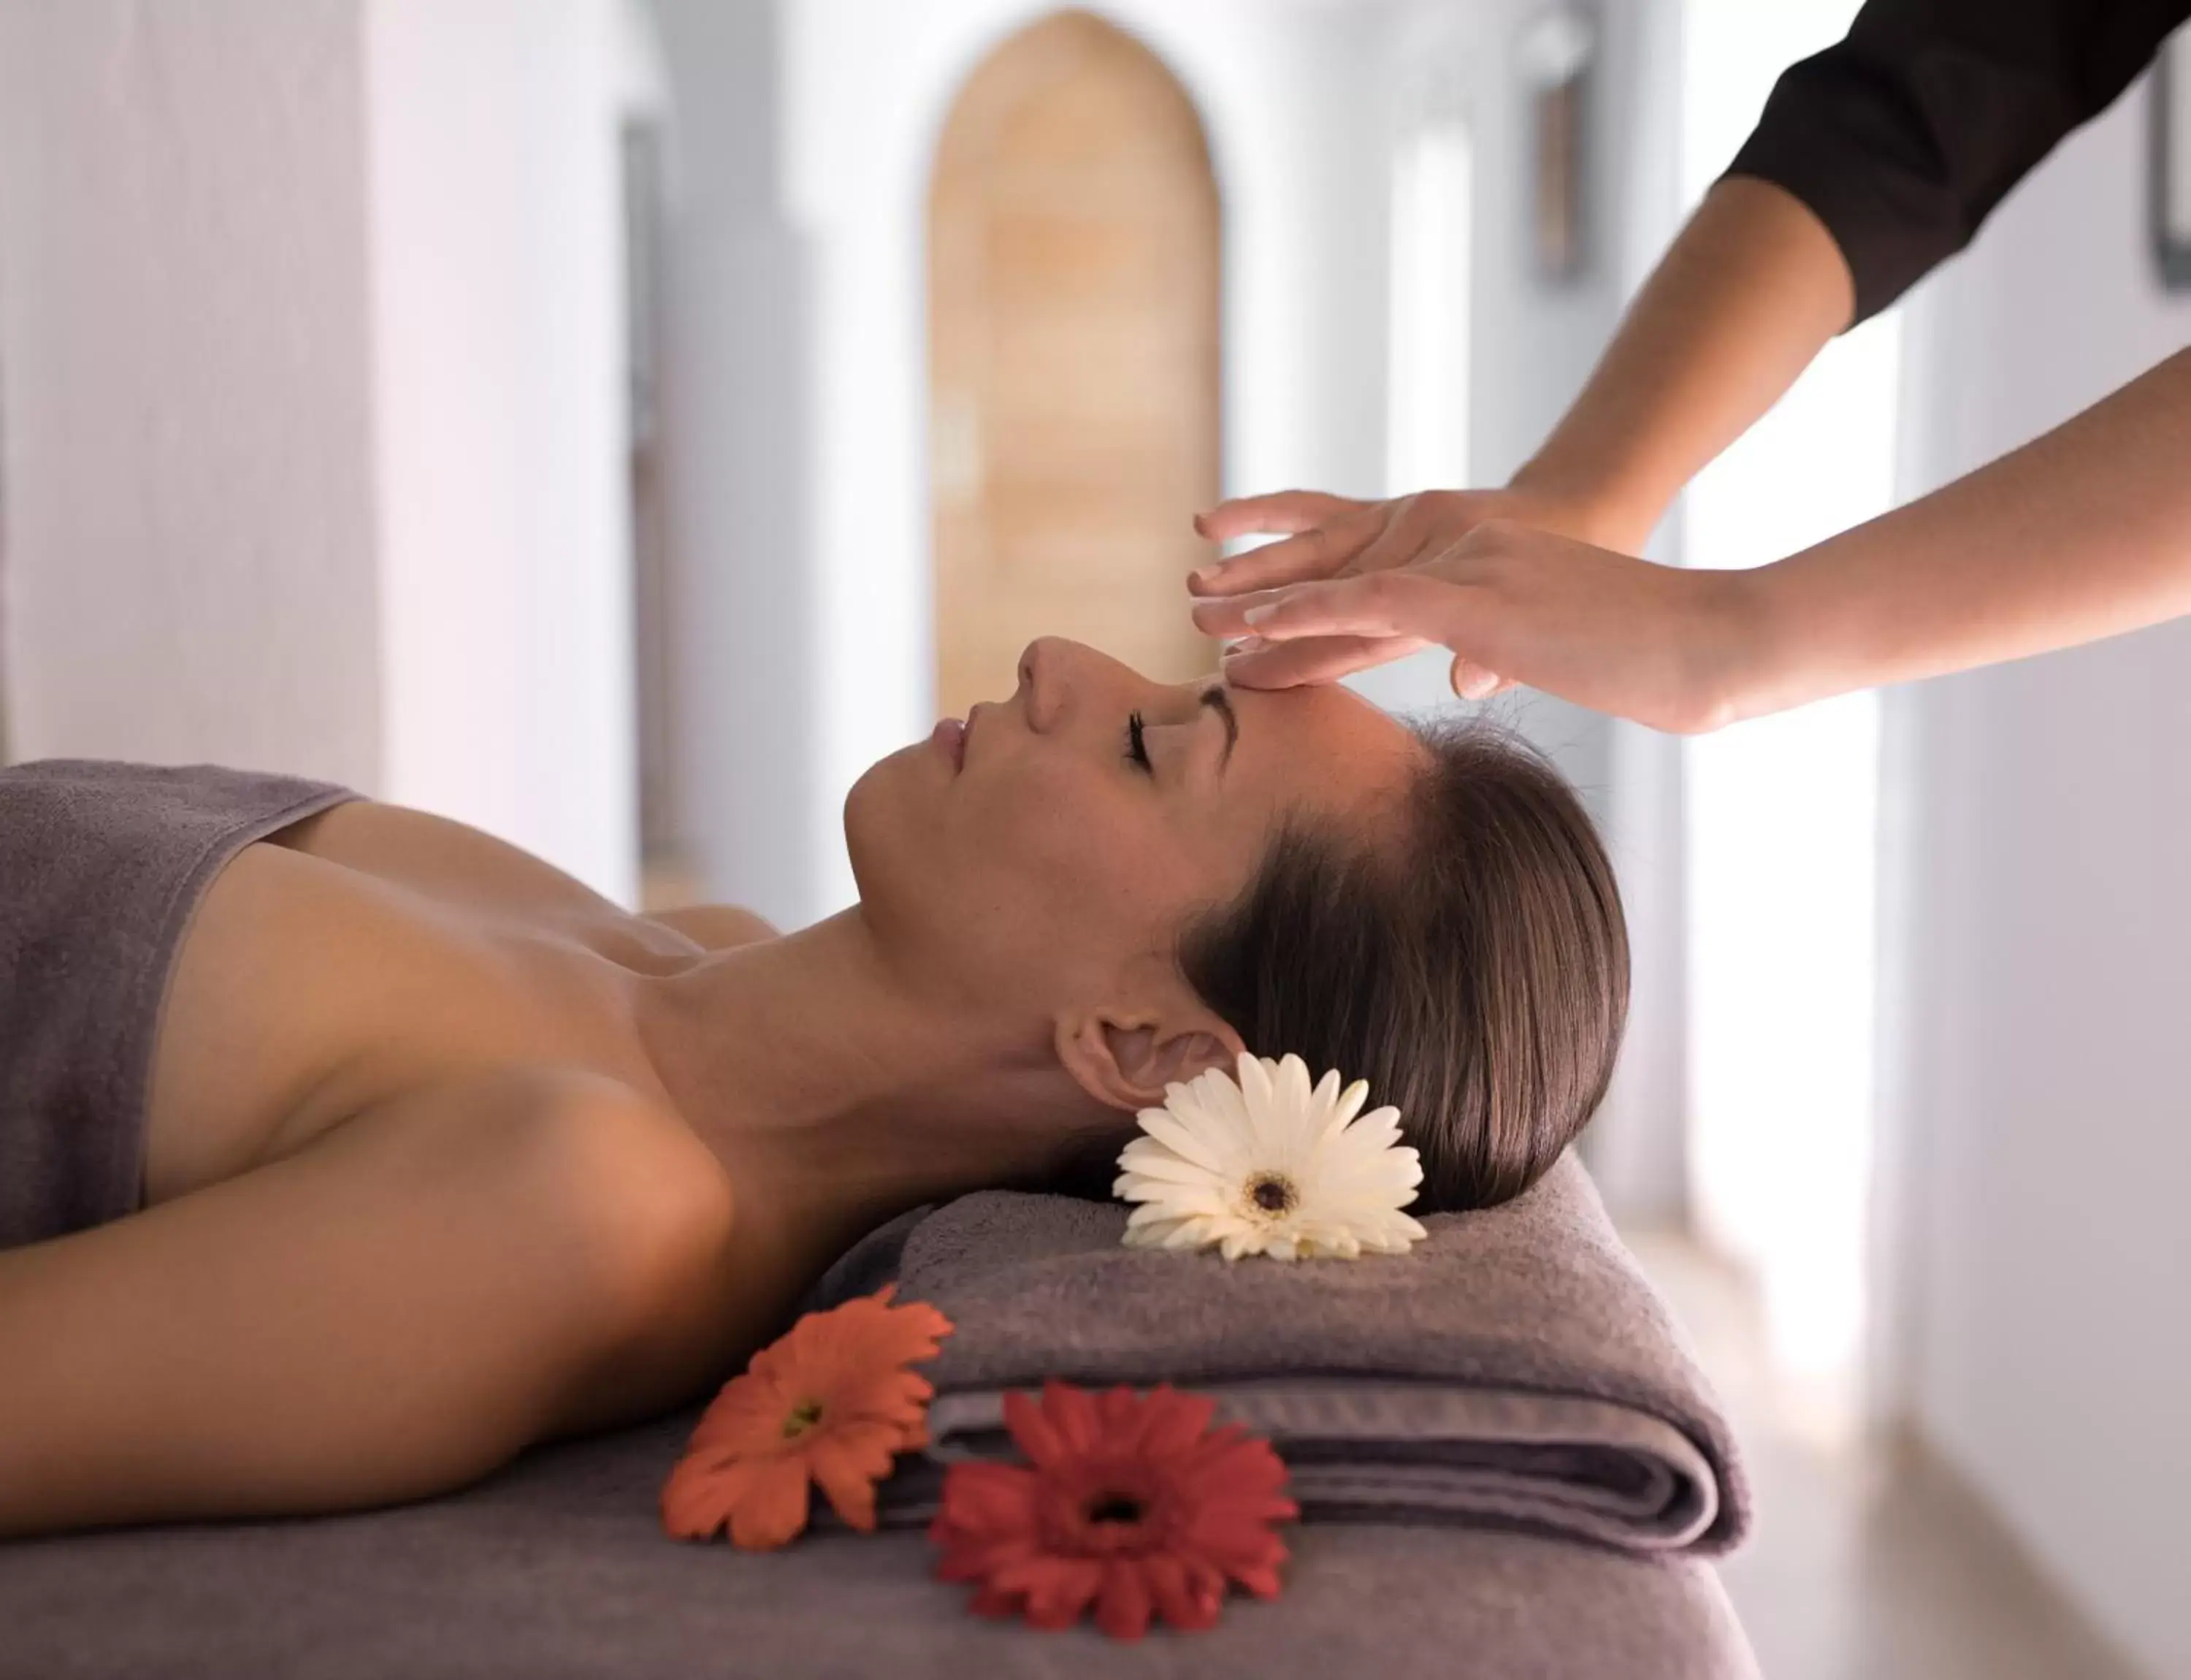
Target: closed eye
x=1220 y=703
x=1137 y=746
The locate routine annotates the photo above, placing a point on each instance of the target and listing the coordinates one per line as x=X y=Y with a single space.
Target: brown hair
x=1475 y=972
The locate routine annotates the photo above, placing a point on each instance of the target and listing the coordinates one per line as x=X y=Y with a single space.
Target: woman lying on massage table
x=345 y=1152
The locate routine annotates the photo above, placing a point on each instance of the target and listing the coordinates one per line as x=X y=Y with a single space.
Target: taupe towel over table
x=1515 y=1369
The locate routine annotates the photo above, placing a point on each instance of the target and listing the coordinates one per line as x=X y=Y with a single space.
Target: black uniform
x=1902 y=137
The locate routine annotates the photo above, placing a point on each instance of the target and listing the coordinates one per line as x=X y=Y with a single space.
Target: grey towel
x=102 y=866
x=1516 y=1370
x=557 y=1569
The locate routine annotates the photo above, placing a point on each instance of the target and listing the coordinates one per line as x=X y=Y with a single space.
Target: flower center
x=1273 y=1192
x=801 y=1418
x=1112 y=1508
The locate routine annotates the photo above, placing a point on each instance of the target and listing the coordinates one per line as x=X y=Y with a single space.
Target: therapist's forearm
x=1742 y=301
x=2083 y=533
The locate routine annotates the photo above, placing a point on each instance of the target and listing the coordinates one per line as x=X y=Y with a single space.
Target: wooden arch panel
x=1073 y=331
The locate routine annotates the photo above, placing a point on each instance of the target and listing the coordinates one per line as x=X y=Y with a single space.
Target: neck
x=838 y=1095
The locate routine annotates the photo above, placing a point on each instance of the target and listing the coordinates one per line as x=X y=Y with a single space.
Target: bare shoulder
x=443 y=858
x=715 y=927
x=608 y=1212
x=573 y=1137
x=510 y=1255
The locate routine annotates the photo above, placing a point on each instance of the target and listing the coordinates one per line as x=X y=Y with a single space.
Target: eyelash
x=1137 y=750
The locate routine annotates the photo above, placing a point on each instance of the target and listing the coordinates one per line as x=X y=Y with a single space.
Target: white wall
x=185 y=386
x=311 y=394
x=738 y=347
x=501 y=423
x=2042 y=819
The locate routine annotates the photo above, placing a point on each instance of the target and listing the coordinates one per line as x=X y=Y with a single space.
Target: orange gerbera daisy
x=1132 y=1504
x=833 y=1401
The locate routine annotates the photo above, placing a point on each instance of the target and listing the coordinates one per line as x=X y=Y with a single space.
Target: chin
x=884 y=818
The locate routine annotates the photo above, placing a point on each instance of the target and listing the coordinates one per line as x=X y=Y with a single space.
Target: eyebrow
x=1218 y=700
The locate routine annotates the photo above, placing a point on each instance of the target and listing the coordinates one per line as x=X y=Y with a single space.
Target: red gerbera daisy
x=832 y=1402
x=1133 y=1504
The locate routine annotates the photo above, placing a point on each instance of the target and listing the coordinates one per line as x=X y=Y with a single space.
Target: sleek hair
x=1473 y=969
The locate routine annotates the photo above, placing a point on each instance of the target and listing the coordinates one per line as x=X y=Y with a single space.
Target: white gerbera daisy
x=1267 y=1166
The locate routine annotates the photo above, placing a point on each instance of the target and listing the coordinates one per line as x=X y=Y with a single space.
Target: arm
x=390 y=1311
x=1743 y=300
x=1873 y=160
x=2084 y=533
x=1872 y=163
x=1748 y=294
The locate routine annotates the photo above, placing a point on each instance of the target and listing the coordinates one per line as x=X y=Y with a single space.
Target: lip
x=949 y=736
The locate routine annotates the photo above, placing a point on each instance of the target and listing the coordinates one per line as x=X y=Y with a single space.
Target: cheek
x=1074 y=870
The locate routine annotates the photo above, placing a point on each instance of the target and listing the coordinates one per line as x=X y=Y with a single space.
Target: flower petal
x=1349 y=1105
x=1164 y=1166
x=774 y=1509
x=846 y=1469
x=1059 y=1591
x=1198 y=1145
x=1073 y=1413
x=702 y=1492
x=1175 y=1600
x=1123 y=1610
x=1014 y=1533
x=1032 y=1427
x=1257 y=1077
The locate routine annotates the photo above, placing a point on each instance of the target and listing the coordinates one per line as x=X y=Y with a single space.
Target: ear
x=1126 y=1062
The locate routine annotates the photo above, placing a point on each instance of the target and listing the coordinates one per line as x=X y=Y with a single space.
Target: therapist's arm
x=1873 y=161
x=1745 y=298
x=2083 y=533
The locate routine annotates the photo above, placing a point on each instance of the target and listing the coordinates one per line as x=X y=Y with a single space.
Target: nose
x=1042 y=680
x=1058 y=675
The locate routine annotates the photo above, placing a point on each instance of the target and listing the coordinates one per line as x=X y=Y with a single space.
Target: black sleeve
x=1902 y=137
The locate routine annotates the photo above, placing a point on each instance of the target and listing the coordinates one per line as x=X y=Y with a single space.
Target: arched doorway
x=1073 y=249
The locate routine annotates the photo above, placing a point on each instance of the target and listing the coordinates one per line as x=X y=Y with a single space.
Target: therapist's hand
x=1515 y=604
x=1329 y=536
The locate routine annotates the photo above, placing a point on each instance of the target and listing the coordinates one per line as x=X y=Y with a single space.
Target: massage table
x=557 y=1568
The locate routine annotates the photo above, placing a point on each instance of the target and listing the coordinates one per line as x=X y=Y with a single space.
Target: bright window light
x=1427 y=420
x=1782 y=812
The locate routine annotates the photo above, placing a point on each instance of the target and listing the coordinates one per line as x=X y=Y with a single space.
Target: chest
x=308 y=989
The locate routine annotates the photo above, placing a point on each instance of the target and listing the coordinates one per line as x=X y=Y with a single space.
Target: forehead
x=1323 y=746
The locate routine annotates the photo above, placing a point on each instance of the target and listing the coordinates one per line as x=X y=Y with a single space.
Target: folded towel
x=1515 y=1369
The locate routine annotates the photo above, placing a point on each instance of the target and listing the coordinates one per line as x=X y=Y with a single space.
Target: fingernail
x=1247 y=644
x=1257 y=615
x=1207 y=574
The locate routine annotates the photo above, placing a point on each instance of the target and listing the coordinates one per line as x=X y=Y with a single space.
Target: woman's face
x=1045 y=855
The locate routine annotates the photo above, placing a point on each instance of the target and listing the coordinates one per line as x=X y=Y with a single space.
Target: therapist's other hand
x=1515 y=604
x=1323 y=536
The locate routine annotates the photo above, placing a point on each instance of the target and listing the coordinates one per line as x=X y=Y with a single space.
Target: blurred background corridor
x=616 y=423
